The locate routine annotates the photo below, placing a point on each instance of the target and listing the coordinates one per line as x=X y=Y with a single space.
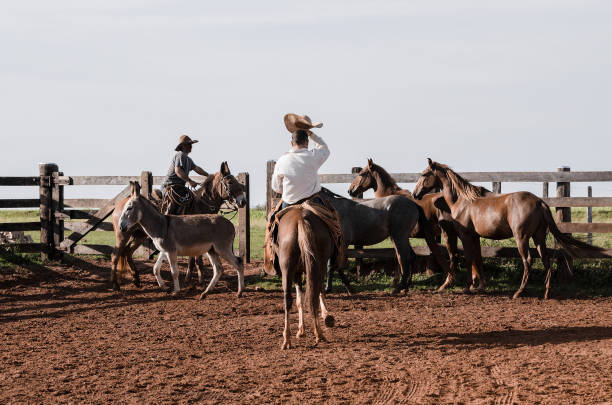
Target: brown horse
x=304 y=247
x=435 y=209
x=209 y=197
x=521 y=215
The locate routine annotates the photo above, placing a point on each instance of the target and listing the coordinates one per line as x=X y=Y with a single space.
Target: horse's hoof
x=203 y=295
x=286 y=346
x=466 y=290
x=516 y=295
x=176 y=293
x=299 y=333
x=330 y=321
x=137 y=284
x=239 y=294
x=115 y=287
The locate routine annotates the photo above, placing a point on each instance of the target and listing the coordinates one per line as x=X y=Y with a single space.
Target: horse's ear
x=225 y=169
x=429 y=162
x=370 y=162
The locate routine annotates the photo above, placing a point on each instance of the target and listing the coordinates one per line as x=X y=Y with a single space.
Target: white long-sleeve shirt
x=296 y=172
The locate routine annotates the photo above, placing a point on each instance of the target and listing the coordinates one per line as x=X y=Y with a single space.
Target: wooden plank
x=496 y=187
x=23 y=247
x=80 y=214
x=92 y=249
x=85 y=202
x=101 y=215
x=76 y=226
x=46 y=210
x=491 y=176
x=244 y=221
x=576 y=227
x=58 y=208
x=20 y=203
x=20 y=226
x=19 y=181
x=579 y=201
x=487 y=251
x=118 y=180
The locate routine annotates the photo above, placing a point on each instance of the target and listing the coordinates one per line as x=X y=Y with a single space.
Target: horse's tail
x=314 y=280
x=430 y=238
x=570 y=244
x=122 y=267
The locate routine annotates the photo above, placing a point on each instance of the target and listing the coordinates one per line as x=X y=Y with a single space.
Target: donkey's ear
x=134 y=188
x=225 y=169
x=370 y=162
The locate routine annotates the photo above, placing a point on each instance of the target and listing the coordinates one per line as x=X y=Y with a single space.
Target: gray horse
x=372 y=221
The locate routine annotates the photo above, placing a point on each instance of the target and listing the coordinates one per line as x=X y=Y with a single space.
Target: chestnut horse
x=304 y=247
x=521 y=215
x=437 y=212
x=184 y=235
x=216 y=189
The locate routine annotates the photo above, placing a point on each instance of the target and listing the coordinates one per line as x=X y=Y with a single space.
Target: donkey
x=304 y=247
x=216 y=189
x=183 y=235
x=521 y=215
x=435 y=209
x=370 y=222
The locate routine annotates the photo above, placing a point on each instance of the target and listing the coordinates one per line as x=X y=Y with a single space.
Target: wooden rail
x=56 y=213
x=563 y=178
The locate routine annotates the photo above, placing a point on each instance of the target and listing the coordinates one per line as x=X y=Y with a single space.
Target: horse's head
x=228 y=188
x=132 y=210
x=429 y=179
x=364 y=181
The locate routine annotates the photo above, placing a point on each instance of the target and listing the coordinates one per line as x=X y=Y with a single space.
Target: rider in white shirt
x=296 y=172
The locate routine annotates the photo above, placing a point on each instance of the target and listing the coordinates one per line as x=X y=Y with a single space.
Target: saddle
x=326 y=212
x=177 y=200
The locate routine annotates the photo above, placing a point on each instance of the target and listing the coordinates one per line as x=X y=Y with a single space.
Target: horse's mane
x=460 y=185
x=386 y=177
x=331 y=194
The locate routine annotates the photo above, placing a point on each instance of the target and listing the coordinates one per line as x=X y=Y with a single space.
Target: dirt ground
x=65 y=338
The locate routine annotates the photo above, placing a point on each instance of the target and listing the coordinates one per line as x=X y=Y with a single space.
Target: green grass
x=592 y=278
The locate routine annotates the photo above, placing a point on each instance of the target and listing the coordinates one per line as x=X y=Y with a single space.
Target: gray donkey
x=183 y=235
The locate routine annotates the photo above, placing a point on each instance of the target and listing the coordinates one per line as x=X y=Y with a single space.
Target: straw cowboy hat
x=184 y=140
x=293 y=122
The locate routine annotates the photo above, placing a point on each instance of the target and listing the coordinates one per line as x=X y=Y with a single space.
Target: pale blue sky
x=107 y=87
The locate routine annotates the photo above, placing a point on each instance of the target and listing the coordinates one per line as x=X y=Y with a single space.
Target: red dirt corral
x=66 y=338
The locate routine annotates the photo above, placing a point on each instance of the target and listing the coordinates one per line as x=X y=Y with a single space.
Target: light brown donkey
x=521 y=215
x=183 y=235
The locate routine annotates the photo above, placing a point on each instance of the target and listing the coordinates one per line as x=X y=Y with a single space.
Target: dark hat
x=293 y=122
x=184 y=140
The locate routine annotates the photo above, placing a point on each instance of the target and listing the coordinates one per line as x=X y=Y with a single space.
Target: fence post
x=564 y=214
x=58 y=207
x=45 y=171
x=545 y=189
x=496 y=187
x=146 y=188
x=244 y=222
x=269 y=192
x=590 y=215
x=358 y=261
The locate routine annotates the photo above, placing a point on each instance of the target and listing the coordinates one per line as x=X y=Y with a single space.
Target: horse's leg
x=450 y=239
x=133 y=245
x=469 y=252
x=330 y=273
x=200 y=264
x=157 y=270
x=174 y=269
x=477 y=266
x=299 y=303
x=327 y=318
x=227 y=253
x=217 y=271
x=540 y=241
x=405 y=258
x=288 y=301
x=523 y=247
x=190 y=268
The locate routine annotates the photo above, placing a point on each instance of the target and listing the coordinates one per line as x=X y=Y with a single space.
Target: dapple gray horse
x=372 y=221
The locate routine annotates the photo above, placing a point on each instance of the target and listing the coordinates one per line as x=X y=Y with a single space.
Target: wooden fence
x=561 y=179
x=57 y=214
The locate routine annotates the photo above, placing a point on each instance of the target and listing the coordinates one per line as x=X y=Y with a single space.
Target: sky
x=107 y=87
